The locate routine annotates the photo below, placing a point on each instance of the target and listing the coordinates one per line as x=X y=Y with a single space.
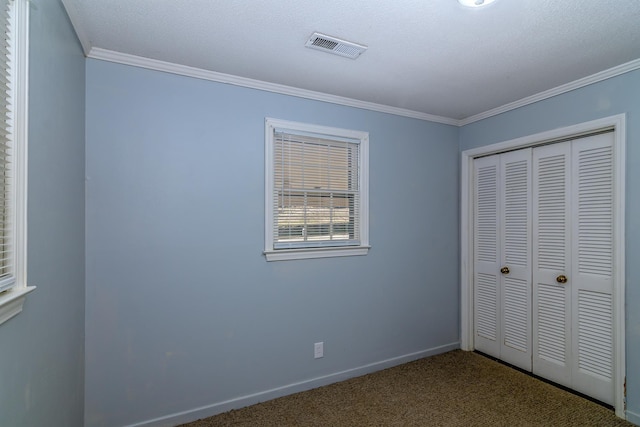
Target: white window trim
x=11 y=301
x=320 y=252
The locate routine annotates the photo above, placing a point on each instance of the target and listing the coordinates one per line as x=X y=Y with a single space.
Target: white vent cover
x=336 y=46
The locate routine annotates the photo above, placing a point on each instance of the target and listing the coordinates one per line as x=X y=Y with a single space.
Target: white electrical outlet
x=318 y=350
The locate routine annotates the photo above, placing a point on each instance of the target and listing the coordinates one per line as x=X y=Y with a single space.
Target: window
x=316 y=192
x=13 y=149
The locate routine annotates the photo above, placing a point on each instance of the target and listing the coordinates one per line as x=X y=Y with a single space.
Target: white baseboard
x=251 y=399
x=634 y=418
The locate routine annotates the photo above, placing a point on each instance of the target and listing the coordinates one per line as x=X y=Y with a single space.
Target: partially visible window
x=316 y=191
x=13 y=150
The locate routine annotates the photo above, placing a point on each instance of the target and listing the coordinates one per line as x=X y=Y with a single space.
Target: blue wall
x=42 y=349
x=613 y=96
x=183 y=311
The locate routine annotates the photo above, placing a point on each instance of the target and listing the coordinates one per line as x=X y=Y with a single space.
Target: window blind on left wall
x=7 y=176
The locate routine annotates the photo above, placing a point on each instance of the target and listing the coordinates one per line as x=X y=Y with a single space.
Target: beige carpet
x=452 y=389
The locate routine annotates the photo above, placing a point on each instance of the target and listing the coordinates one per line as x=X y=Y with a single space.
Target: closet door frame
x=618 y=124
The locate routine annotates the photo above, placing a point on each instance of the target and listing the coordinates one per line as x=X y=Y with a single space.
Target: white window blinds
x=7 y=213
x=316 y=192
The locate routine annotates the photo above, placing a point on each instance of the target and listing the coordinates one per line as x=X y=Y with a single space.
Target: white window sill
x=290 y=254
x=11 y=302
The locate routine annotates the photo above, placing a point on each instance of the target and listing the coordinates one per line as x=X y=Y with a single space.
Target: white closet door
x=551 y=262
x=502 y=265
x=591 y=279
x=515 y=257
x=486 y=276
x=573 y=264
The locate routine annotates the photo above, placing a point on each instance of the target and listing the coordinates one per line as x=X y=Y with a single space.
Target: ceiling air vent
x=336 y=46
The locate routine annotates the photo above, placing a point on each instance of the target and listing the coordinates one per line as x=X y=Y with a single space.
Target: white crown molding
x=168 y=67
x=76 y=22
x=576 y=84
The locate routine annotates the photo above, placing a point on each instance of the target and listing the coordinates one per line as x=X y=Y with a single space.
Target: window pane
x=316 y=189
x=315 y=216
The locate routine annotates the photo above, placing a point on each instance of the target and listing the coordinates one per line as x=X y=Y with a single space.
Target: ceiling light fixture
x=475 y=3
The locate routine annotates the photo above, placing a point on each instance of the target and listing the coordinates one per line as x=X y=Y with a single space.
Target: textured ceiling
x=429 y=56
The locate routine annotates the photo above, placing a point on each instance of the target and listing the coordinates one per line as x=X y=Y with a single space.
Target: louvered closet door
x=515 y=256
x=502 y=215
x=573 y=264
x=552 y=259
x=592 y=273
x=486 y=276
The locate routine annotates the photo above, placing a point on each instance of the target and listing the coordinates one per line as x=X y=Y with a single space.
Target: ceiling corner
x=76 y=22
